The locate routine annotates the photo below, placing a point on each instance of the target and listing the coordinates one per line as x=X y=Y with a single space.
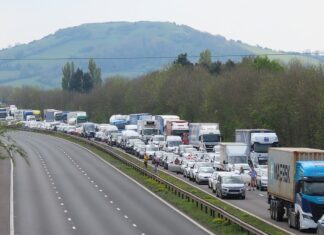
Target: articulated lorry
x=296 y=186
x=119 y=120
x=135 y=117
x=52 y=115
x=77 y=118
x=258 y=140
x=178 y=128
x=204 y=135
x=162 y=121
x=147 y=128
x=233 y=156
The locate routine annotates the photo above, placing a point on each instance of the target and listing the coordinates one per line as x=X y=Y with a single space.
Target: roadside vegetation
x=253 y=93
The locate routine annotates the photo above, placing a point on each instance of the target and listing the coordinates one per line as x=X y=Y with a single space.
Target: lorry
x=52 y=115
x=119 y=120
x=147 y=128
x=65 y=116
x=18 y=115
x=233 y=156
x=204 y=135
x=162 y=121
x=37 y=114
x=3 y=113
x=296 y=186
x=77 y=118
x=133 y=118
x=179 y=128
x=26 y=113
x=258 y=140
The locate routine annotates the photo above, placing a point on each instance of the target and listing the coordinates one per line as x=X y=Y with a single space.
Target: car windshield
x=263 y=148
x=232 y=180
x=237 y=159
x=151 y=148
x=202 y=164
x=150 y=131
x=313 y=188
x=179 y=132
x=89 y=127
x=211 y=138
x=174 y=143
x=158 y=138
x=206 y=169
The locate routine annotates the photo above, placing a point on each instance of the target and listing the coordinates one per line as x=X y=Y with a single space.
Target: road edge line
x=12 y=224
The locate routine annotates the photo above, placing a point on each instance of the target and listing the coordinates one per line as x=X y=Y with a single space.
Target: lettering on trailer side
x=281 y=172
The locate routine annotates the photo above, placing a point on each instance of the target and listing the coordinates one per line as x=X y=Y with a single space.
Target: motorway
x=63 y=189
x=255 y=202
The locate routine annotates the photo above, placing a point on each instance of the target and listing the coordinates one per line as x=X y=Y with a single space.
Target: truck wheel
x=280 y=211
x=271 y=209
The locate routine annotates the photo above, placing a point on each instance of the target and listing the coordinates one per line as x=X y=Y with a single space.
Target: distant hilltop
x=119 y=48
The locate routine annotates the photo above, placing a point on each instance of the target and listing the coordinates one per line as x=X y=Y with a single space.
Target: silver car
x=230 y=185
x=193 y=170
x=186 y=170
x=203 y=174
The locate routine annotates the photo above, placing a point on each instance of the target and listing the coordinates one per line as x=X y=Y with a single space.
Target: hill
x=129 y=49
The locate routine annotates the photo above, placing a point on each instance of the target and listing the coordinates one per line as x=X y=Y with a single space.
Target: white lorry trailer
x=147 y=128
x=77 y=118
x=258 y=140
x=204 y=135
x=296 y=186
x=232 y=156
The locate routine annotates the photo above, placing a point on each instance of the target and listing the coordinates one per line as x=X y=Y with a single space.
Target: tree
x=68 y=71
x=205 y=58
x=87 y=83
x=76 y=83
x=264 y=63
x=94 y=72
x=182 y=60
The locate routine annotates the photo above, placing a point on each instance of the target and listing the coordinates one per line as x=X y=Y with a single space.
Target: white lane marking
x=91 y=181
x=69 y=219
x=73 y=227
x=106 y=195
x=125 y=216
x=100 y=190
x=118 y=208
x=65 y=211
x=141 y=186
x=59 y=198
x=134 y=225
x=111 y=202
x=261 y=195
x=62 y=204
x=96 y=186
x=12 y=224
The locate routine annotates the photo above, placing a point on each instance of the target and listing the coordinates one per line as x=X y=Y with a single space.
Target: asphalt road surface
x=63 y=189
x=254 y=203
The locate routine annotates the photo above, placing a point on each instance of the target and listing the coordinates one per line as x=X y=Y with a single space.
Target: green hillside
x=113 y=41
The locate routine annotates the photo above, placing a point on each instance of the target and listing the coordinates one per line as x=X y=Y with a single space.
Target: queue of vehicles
x=293 y=177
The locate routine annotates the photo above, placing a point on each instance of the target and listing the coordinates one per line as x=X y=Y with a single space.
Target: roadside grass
x=216 y=225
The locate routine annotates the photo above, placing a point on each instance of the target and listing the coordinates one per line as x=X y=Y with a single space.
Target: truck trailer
x=52 y=115
x=296 y=186
x=204 y=135
x=162 y=121
x=147 y=128
x=259 y=141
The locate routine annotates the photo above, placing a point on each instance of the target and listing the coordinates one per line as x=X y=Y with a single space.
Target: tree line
x=253 y=93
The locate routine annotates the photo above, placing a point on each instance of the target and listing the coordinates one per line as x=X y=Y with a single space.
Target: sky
x=288 y=25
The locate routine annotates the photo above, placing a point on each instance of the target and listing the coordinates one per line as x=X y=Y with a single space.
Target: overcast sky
x=290 y=25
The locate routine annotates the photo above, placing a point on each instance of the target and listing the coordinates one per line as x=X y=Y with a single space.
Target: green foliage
x=263 y=62
x=289 y=100
x=182 y=60
x=205 y=58
x=79 y=81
